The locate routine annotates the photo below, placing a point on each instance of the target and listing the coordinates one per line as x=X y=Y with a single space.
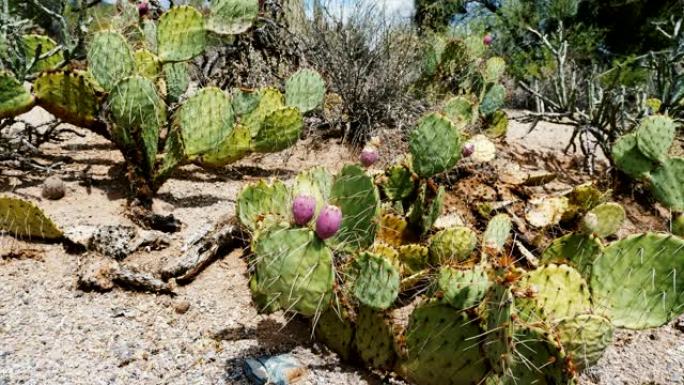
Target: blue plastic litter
x=284 y=369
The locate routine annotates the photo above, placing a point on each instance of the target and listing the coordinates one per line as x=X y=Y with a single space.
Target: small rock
x=96 y=274
x=53 y=188
x=181 y=307
x=679 y=324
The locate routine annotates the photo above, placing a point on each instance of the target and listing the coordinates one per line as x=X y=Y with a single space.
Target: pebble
x=53 y=188
x=181 y=307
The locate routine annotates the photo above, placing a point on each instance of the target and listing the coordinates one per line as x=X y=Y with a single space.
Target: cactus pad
x=294 y=268
x=257 y=201
x=604 y=220
x=392 y=230
x=498 y=125
x=452 y=245
x=354 y=192
x=426 y=209
x=305 y=90
x=435 y=145
x=14 y=98
x=560 y=291
x=493 y=100
x=459 y=110
x=316 y=182
x=443 y=347
x=205 y=120
x=375 y=339
x=177 y=79
x=463 y=289
x=678 y=225
x=655 y=135
x=584 y=338
x=245 y=101
x=180 y=34
x=498 y=315
x=42 y=45
x=377 y=282
x=71 y=96
x=110 y=59
x=578 y=250
x=232 y=17
x=24 y=219
x=398 y=183
x=269 y=100
x=279 y=130
x=638 y=281
x=231 y=149
x=336 y=330
x=539 y=359
x=667 y=183
x=629 y=158
x=413 y=258
x=494 y=69
x=497 y=234
x=147 y=63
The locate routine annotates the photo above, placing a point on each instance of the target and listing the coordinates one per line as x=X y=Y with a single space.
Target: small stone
x=53 y=188
x=182 y=307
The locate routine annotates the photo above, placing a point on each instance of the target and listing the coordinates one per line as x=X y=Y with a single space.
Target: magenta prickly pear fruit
x=369 y=156
x=328 y=222
x=143 y=8
x=303 y=209
x=468 y=150
x=488 y=39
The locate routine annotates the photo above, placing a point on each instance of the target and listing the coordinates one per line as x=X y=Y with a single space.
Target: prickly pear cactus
x=279 y=130
x=336 y=330
x=629 y=158
x=269 y=100
x=147 y=64
x=604 y=220
x=71 y=96
x=14 y=98
x=498 y=125
x=260 y=200
x=42 y=45
x=110 y=59
x=316 y=182
x=177 y=79
x=23 y=219
x=576 y=249
x=539 y=358
x=398 y=183
x=354 y=192
x=667 y=183
x=231 y=149
x=232 y=17
x=442 y=347
x=463 y=289
x=678 y=225
x=452 y=245
x=584 y=338
x=497 y=234
x=655 y=135
x=637 y=280
x=413 y=259
x=493 y=100
x=498 y=312
x=377 y=282
x=305 y=90
x=294 y=269
x=459 y=110
x=426 y=209
x=494 y=69
x=375 y=339
x=180 y=34
x=435 y=145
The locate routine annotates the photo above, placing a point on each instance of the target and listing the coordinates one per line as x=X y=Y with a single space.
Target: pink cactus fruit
x=328 y=222
x=488 y=39
x=143 y=8
x=468 y=150
x=303 y=209
x=369 y=155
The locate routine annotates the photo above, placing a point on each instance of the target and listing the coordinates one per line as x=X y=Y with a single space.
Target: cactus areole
x=303 y=209
x=328 y=222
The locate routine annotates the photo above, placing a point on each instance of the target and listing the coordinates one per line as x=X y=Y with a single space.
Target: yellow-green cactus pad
x=279 y=130
x=655 y=135
x=376 y=283
x=232 y=17
x=41 y=45
x=23 y=219
x=667 y=183
x=147 y=63
x=180 y=34
x=494 y=69
x=354 y=192
x=336 y=330
x=584 y=338
x=177 y=79
x=234 y=147
x=452 y=245
x=70 y=96
x=305 y=90
x=269 y=100
x=538 y=359
x=629 y=158
x=604 y=220
x=260 y=200
x=576 y=249
x=498 y=125
x=463 y=289
x=110 y=58
x=14 y=98
x=375 y=339
x=460 y=109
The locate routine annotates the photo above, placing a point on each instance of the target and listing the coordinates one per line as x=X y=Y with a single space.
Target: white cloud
x=401 y=8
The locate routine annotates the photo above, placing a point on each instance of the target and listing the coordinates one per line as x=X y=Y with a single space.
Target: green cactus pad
x=539 y=359
x=578 y=250
x=452 y=245
x=377 y=283
x=14 y=98
x=147 y=63
x=294 y=268
x=305 y=90
x=269 y=100
x=629 y=158
x=279 y=130
x=413 y=258
x=232 y=17
x=655 y=135
x=177 y=79
x=231 y=149
x=110 y=59
x=443 y=347
x=497 y=234
x=604 y=220
x=138 y=114
x=678 y=225
x=149 y=31
x=375 y=339
x=560 y=291
x=454 y=59
x=435 y=145
x=584 y=338
x=459 y=110
x=475 y=46
x=259 y=200
x=42 y=45
x=493 y=100
x=356 y=195
x=667 y=183
x=426 y=209
x=316 y=182
x=463 y=289
x=245 y=101
x=180 y=34
x=23 y=219
x=498 y=125
x=498 y=312
x=398 y=183
x=174 y=155
x=70 y=96
x=637 y=281
x=205 y=119
x=494 y=69
x=336 y=330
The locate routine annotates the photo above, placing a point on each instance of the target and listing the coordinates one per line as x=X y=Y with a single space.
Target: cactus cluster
x=644 y=155
x=137 y=82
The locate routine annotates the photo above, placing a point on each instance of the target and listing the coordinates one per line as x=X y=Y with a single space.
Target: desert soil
x=53 y=333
